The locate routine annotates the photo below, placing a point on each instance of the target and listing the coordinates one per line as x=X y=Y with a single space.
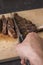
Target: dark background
x=18 y=5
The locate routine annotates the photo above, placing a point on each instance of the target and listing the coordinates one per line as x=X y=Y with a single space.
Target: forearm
x=35 y=59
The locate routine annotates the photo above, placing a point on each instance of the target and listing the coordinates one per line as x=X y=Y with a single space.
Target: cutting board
x=7 y=44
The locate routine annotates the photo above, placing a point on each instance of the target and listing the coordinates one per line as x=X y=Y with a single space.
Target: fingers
x=23 y=62
x=29 y=36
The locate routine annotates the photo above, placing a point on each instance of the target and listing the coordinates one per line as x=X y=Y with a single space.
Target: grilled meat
x=25 y=26
x=10 y=27
x=4 y=26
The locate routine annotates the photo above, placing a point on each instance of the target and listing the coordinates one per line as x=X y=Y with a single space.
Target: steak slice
x=10 y=27
x=4 y=26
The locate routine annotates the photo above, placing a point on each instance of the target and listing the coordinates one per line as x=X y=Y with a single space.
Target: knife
x=20 y=37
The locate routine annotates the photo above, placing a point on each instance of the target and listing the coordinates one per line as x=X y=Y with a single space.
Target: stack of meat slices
x=7 y=26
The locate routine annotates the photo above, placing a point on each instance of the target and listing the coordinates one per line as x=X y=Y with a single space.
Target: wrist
x=34 y=58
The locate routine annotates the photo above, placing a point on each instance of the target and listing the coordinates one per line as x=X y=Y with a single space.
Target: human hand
x=31 y=49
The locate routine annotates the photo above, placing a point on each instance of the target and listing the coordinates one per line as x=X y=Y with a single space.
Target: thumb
x=19 y=50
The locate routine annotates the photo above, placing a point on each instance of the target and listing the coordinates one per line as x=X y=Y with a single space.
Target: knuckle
x=31 y=34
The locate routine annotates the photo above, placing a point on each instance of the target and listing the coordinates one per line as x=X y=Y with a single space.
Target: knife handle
x=27 y=62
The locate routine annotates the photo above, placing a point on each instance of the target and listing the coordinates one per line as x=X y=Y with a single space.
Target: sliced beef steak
x=4 y=26
x=10 y=27
x=25 y=26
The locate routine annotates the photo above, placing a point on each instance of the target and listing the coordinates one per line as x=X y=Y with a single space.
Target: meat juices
x=4 y=26
x=10 y=27
x=25 y=26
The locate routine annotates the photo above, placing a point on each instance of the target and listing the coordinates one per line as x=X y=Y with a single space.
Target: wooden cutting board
x=7 y=43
